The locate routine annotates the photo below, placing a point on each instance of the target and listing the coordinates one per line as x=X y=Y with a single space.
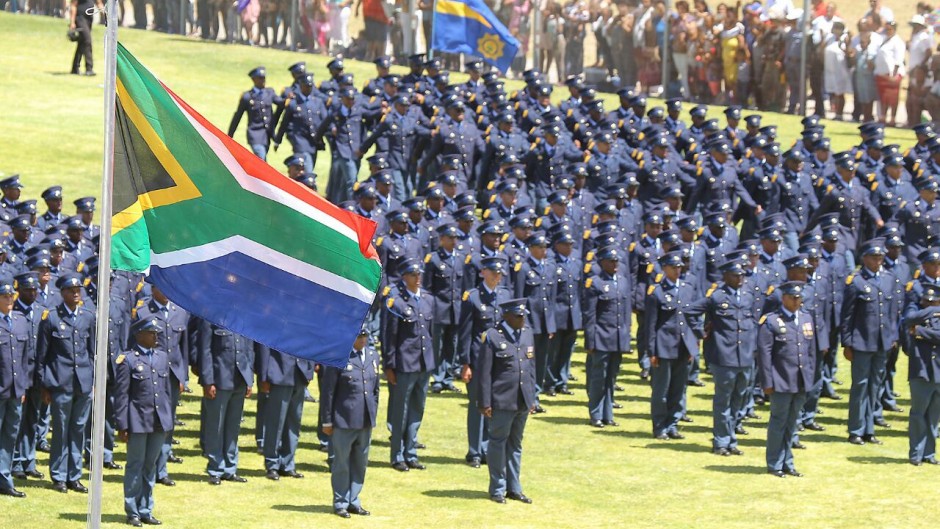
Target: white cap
x=795 y=14
x=918 y=19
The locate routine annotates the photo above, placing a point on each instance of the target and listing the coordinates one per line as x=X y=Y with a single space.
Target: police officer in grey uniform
x=15 y=378
x=407 y=359
x=284 y=379
x=507 y=397
x=349 y=402
x=869 y=330
x=608 y=309
x=64 y=350
x=785 y=363
x=258 y=102
x=143 y=416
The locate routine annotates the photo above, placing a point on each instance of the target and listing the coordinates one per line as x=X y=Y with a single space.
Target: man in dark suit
x=507 y=397
x=349 y=402
x=785 y=363
x=143 y=415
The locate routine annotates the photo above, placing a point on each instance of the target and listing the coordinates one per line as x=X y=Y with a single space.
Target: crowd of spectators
x=745 y=54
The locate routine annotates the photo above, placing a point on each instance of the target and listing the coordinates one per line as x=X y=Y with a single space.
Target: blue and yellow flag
x=469 y=26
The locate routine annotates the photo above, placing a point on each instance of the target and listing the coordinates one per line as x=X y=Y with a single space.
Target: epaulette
x=698 y=172
x=382 y=120
x=517 y=267
x=587 y=157
x=372 y=99
x=385 y=291
x=427 y=258
x=858 y=155
x=468 y=259
x=874 y=186
x=537 y=141
x=588 y=282
x=140 y=286
x=486 y=214
x=620 y=124
x=773 y=178
x=871 y=177
x=466 y=295
x=908 y=286
x=516 y=106
x=546 y=210
x=848 y=280
x=750 y=171
x=525 y=113
x=658 y=278
x=491 y=185
x=762 y=319
x=651 y=289
x=81 y=266
x=711 y=290
x=587 y=267
x=700 y=231
x=532 y=145
x=828 y=187
x=87 y=281
x=390 y=303
x=642 y=163
x=576 y=126
x=916 y=165
x=45 y=314
x=917 y=274
x=902 y=204
x=483 y=337
x=907 y=153
x=589 y=256
x=570 y=112
x=134 y=313
x=140 y=303
x=770 y=290
x=378 y=242
x=632 y=246
x=649 y=268
x=538 y=222
x=329 y=102
x=120 y=359
x=593 y=220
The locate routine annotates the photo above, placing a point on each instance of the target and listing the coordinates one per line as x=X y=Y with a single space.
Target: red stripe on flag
x=258 y=168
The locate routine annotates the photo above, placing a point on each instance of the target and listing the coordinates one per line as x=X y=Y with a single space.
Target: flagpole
x=433 y=30
x=99 y=392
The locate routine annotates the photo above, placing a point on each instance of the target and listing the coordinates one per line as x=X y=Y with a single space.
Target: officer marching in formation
x=507 y=380
x=143 y=412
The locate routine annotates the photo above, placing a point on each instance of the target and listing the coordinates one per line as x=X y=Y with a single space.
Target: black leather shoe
x=697 y=383
x=215 y=480
x=358 y=510
x=882 y=423
x=436 y=390
x=735 y=451
x=873 y=440
x=234 y=477
x=931 y=461
x=752 y=415
x=19 y=475
x=43 y=448
x=178 y=422
x=549 y=392
x=474 y=462
x=794 y=472
x=519 y=497
x=612 y=423
x=150 y=520
x=13 y=493
x=721 y=452
x=134 y=521
x=565 y=391
x=77 y=487
x=685 y=418
x=644 y=374
x=895 y=409
x=572 y=378
x=662 y=437
x=420 y=446
x=798 y=445
x=174 y=459
x=777 y=473
x=740 y=430
x=498 y=498
x=856 y=440
x=675 y=435
x=833 y=396
x=167 y=482
x=35 y=474
x=616 y=406
x=400 y=466
x=290 y=474
x=618 y=387
x=272 y=475
x=175 y=442
x=59 y=486
x=415 y=465
x=111 y=465
x=814 y=426
x=342 y=513
x=539 y=408
x=453 y=388
x=597 y=423
x=915 y=462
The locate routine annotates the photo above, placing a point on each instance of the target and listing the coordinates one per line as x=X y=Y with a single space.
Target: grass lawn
x=578 y=476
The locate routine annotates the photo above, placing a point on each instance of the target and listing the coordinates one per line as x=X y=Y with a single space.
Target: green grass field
x=577 y=475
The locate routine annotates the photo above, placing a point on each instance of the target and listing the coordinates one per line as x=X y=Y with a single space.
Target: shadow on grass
x=581 y=421
x=442 y=460
x=680 y=447
x=309 y=509
x=878 y=460
x=462 y=494
x=736 y=469
x=81 y=517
